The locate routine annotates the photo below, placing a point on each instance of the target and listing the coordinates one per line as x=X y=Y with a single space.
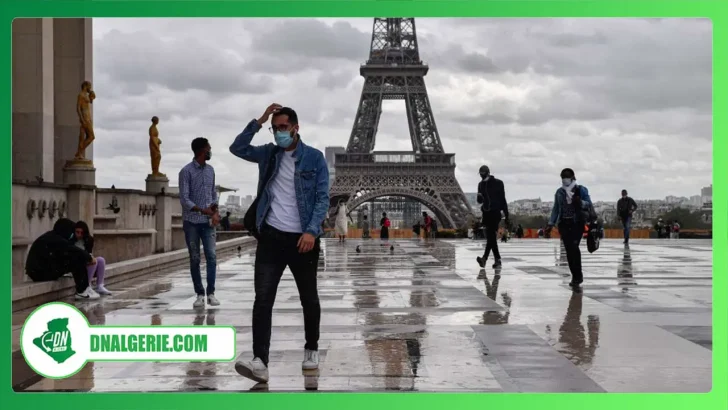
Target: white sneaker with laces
x=200 y=302
x=87 y=294
x=101 y=290
x=255 y=370
x=310 y=360
x=212 y=300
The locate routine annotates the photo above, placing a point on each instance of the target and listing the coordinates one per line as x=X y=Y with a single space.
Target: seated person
x=85 y=241
x=52 y=255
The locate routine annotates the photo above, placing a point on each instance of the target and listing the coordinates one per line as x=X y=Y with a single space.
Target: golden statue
x=83 y=109
x=154 y=149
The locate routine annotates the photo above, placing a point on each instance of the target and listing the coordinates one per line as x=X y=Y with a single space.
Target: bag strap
x=268 y=169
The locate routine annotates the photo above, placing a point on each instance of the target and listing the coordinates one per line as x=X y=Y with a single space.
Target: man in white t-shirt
x=289 y=217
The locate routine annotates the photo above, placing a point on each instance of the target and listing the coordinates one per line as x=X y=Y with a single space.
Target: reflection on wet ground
x=426 y=318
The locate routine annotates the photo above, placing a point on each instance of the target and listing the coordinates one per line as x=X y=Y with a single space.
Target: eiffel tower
x=426 y=174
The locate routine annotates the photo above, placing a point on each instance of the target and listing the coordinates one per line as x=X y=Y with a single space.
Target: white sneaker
x=101 y=290
x=255 y=370
x=212 y=300
x=200 y=302
x=310 y=360
x=87 y=294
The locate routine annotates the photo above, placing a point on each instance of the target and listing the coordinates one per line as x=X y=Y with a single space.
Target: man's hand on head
x=272 y=109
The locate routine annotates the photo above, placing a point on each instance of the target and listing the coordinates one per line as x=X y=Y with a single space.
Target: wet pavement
x=425 y=317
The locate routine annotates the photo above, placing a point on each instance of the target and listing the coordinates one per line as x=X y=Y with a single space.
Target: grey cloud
x=181 y=64
x=334 y=80
x=313 y=39
x=477 y=63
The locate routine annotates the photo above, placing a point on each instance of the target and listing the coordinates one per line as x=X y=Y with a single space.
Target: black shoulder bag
x=249 y=220
x=591 y=219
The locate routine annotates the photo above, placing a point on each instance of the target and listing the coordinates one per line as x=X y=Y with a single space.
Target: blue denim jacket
x=560 y=199
x=311 y=179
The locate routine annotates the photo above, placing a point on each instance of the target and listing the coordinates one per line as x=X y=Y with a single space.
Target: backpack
x=386 y=223
x=588 y=215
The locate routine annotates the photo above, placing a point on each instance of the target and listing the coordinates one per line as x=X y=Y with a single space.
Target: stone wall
x=137 y=209
x=124 y=244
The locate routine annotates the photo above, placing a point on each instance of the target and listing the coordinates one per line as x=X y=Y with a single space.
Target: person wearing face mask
x=492 y=196
x=293 y=186
x=53 y=254
x=625 y=208
x=571 y=202
x=200 y=215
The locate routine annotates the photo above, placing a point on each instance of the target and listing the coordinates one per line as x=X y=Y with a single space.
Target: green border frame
x=716 y=10
x=88 y=325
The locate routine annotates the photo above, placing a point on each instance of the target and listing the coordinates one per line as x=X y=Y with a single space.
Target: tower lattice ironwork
x=394 y=71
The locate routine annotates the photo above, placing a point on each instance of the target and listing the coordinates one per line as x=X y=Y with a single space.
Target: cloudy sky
x=625 y=102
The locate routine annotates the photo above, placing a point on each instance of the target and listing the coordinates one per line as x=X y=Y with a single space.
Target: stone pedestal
x=79 y=172
x=155 y=183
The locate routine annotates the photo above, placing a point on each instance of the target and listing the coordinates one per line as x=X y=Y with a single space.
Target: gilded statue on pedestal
x=154 y=150
x=83 y=109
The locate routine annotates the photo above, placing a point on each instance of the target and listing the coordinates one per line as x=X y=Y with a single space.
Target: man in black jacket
x=492 y=196
x=53 y=254
x=625 y=208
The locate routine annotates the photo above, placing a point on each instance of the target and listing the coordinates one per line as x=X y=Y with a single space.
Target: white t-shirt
x=283 y=213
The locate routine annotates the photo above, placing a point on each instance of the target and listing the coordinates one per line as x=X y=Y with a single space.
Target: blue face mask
x=283 y=139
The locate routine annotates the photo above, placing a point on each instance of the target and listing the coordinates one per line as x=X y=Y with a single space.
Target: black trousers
x=59 y=266
x=571 y=233
x=491 y=221
x=276 y=250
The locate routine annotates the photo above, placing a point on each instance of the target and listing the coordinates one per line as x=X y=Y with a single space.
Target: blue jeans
x=627 y=223
x=193 y=234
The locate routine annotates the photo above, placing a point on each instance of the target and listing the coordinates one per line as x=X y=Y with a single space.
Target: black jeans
x=491 y=221
x=61 y=265
x=571 y=234
x=276 y=250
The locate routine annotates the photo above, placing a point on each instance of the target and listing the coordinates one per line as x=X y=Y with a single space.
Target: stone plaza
x=424 y=317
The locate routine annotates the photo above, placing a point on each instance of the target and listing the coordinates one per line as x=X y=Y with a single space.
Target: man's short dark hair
x=567 y=173
x=292 y=116
x=624 y=191
x=198 y=144
x=228 y=213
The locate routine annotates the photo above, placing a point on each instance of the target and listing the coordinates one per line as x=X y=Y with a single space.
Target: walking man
x=492 y=196
x=198 y=197
x=570 y=202
x=292 y=207
x=625 y=208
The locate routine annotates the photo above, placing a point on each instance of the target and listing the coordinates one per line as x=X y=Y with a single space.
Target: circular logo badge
x=55 y=340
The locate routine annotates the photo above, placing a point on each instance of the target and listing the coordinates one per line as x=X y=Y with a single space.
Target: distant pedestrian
x=675 y=230
x=427 y=224
x=492 y=196
x=625 y=208
x=384 y=224
x=365 y=228
x=570 y=203
x=225 y=221
x=342 y=221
